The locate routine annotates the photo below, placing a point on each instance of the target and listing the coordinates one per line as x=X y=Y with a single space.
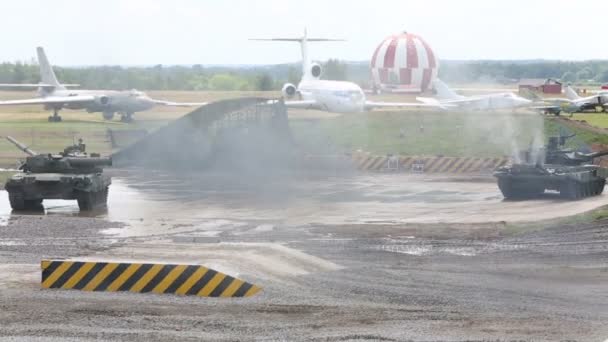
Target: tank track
x=574 y=190
x=86 y=200
x=569 y=189
x=91 y=200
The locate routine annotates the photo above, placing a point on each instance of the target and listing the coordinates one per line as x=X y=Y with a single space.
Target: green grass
x=594 y=119
x=45 y=137
x=553 y=127
x=410 y=132
x=472 y=134
x=423 y=133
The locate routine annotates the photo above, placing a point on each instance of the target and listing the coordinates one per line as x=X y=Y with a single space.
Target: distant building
x=541 y=85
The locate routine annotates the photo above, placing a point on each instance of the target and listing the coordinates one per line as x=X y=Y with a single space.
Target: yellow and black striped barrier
x=192 y=280
x=368 y=162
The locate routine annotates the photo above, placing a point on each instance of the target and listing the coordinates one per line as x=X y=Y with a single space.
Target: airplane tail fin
x=307 y=72
x=571 y=93
x=47 y=75
x=443 y=91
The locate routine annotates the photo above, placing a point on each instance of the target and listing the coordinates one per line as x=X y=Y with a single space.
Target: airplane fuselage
x=492 y=102
x=333 y=96
x=595 y=103
x=106 y=101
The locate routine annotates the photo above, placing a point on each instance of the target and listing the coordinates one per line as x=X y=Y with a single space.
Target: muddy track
x=322 y=281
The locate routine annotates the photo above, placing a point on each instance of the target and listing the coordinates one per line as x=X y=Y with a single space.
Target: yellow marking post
x=187 y=285
x=476 y=166
x=455 y=166
x=211 y=285
x=463 y=164
x=170 y=278
x=58 y=273
x=115 y=285
x=84 y=269
x=253 y=290
x=112 y=277
x=103 y=274
x=141 y=283
x=231 y=289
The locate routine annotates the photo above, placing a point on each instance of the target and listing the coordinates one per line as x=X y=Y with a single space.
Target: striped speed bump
x=369 y=162
x=192 y=280
x=453 y=164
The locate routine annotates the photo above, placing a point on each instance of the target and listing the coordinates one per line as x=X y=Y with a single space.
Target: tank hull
x=28 y=190
x=572 y=182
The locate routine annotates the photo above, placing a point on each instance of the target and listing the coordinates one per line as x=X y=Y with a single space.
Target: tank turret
x=73 y=159
x=70 y=174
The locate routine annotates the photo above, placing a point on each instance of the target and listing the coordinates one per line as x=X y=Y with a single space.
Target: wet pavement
x=152 y=203
x=340 y=258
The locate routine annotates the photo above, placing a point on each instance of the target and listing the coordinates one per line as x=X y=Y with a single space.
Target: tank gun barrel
x=594 y=155
x=21 y=146
x=89 y=162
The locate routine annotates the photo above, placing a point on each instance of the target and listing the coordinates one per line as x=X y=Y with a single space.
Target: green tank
x=553 y=167
x=71 y=175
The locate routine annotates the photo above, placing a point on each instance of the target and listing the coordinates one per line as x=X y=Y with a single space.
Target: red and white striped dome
x=403 y=62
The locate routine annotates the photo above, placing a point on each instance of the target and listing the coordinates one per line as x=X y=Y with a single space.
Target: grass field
x=29 y=124
x=413 y=132
x=424 y=133
x=594 y=119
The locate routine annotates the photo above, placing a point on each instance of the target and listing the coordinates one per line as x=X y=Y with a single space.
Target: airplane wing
x=448 y=103
x=303 y=104
x=50 y=100
x=422 y=104
x=34 y=85
x=179 y=104
x=545 y=107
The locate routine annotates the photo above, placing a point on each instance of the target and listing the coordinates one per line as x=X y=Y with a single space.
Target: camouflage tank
x=71 y=174
x=553 y=167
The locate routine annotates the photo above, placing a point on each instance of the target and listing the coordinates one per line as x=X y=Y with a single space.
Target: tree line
x=272 y=77
x=585 y=72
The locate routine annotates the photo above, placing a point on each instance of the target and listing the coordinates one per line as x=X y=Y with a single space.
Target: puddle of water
x=461 y=251
x=157 y=203
x=12 y=243
x=404 y=249
x=264 y=228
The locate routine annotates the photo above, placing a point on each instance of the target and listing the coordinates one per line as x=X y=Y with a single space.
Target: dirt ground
x=347 y=258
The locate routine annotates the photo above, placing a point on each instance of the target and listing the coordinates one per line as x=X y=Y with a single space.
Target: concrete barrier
x=369 y=162
x=195 y=280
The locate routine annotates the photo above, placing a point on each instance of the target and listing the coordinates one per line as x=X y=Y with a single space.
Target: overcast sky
x=144 y=32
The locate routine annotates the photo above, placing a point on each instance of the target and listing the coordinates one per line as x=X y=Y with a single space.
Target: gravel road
x=335 y=281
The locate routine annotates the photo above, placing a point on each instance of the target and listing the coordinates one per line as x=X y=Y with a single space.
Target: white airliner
x=326 y=95
x=447 y=97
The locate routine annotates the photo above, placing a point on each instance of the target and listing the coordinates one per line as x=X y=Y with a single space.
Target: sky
x=169 y=32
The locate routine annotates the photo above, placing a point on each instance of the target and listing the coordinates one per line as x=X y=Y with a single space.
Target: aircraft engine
x=315 y=70
x=102 y=100
x=289 y=90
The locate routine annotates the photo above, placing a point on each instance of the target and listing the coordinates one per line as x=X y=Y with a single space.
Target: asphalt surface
x=325 y=277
